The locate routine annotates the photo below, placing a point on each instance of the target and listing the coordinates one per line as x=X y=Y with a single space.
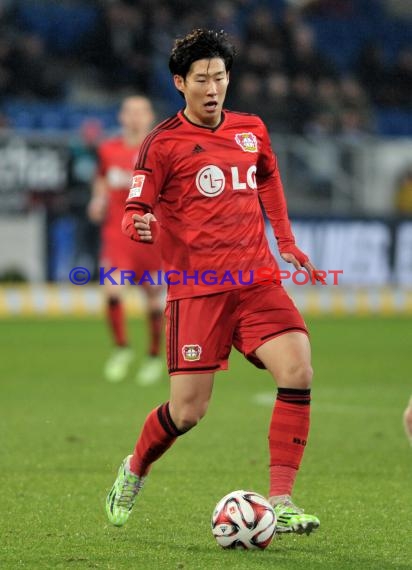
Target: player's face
x=204 y=89
x=136 y=115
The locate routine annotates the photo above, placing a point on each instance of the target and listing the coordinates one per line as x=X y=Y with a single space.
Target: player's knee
x=298 y=376
x=303 y=376
x=188 y=417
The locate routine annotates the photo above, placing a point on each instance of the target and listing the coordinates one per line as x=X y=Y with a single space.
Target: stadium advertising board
x=369 y=252
x=30 y=165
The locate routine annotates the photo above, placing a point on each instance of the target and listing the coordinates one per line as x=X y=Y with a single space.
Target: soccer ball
x=243 y=519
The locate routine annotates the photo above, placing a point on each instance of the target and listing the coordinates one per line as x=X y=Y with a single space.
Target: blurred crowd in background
x=341 y=67
x=331 y=78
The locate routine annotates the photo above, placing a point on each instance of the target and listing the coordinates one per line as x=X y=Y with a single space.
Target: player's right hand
x=139 y=226
x=146 y=229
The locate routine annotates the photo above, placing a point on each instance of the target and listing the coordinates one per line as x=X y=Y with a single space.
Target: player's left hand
x=299 y=259
x=145 y=227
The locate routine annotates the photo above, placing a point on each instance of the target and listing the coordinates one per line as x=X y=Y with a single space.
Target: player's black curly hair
x=200 y=44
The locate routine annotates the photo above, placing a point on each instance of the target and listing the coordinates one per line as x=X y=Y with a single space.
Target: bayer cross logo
x=210 y=181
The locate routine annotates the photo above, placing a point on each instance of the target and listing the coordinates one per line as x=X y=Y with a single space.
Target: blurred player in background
x=407 y=420
x=206 y=169
x=116 y=159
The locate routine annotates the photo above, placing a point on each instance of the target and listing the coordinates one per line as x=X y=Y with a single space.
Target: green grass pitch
x=64 y=432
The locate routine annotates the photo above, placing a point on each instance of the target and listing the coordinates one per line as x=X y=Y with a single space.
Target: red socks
x=288 y=434
x=115 y=316
x=158 y=434
x=155 y=324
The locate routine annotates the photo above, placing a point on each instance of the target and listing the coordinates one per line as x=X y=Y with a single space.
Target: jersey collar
x=212 y=129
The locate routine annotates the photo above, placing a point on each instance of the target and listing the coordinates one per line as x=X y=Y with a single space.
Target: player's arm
x=270 y=189
x=139 y=222
x=96 y=208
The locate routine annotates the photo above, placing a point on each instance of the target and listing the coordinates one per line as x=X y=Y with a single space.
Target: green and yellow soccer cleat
x=117 y=366
x=120 y=500
x=292 y=519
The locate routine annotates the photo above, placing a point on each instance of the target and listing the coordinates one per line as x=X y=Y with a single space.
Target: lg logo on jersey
x=211 y=181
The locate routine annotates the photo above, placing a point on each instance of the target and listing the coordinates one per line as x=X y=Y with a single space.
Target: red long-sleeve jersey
x=206 y=183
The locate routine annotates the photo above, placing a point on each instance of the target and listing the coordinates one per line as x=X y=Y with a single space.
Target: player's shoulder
x=162 y=130
x=240 y=119
x=156 y=140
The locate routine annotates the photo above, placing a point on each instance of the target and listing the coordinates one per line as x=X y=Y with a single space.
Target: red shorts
x=200 y=331
x=121 y=252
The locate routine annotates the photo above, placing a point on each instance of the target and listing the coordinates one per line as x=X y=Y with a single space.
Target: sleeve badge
x=137 y=186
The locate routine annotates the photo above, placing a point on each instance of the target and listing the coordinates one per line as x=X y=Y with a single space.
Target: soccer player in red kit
x=206 y=168
x=116 y=158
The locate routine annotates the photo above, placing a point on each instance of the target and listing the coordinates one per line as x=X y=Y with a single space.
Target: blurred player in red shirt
x=116 y=159
x=206 y=169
